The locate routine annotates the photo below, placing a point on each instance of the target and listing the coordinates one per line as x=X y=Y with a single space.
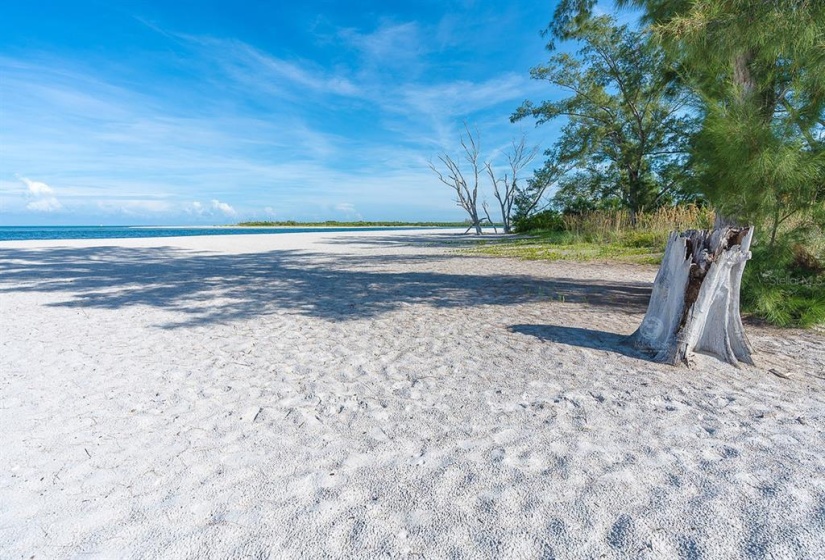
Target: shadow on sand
x=450 y=240
x=584 y=338
x=210 y=287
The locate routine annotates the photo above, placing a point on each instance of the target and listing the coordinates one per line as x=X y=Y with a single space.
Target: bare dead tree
x=452 y=176
x=487 y=218
x=506 y=189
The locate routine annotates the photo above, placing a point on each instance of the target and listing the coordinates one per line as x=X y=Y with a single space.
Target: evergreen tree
x=757 y=69
x=626 y=135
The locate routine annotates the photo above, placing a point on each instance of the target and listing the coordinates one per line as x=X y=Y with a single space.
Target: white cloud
x=42 y=195
x=195 y=208
x=37 y=188
x=223 y=207
x=48 y=204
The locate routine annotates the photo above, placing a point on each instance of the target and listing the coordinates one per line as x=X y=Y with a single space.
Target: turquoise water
x=20 y=233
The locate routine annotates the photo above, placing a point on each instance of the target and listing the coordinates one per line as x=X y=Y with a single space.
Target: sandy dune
x=377 y=394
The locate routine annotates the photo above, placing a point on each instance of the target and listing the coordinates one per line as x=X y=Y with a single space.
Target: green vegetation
x=597 y=236
x=625 y=143
x=721 y=102
x=783 y=284
x=564 y=246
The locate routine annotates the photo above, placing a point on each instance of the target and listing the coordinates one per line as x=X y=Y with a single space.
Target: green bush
x=547 y=220
x=640 y=239
x=785 y=285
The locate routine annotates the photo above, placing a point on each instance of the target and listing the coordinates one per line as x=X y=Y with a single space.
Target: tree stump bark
x=694 y=306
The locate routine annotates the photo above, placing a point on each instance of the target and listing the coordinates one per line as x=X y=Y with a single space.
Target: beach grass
x=565 y=246
x=603 y=235
x=784 y=284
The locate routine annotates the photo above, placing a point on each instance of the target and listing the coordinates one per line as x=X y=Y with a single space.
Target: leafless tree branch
x=452 y=175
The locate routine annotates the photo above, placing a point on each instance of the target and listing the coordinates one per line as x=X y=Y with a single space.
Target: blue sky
x=139 y=112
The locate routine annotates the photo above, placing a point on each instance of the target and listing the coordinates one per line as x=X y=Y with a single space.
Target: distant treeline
x=334 y=223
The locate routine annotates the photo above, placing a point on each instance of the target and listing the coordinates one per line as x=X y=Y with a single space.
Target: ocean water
x=19 y=233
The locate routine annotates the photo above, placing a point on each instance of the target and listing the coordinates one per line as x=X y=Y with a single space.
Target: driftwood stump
x=694 y=306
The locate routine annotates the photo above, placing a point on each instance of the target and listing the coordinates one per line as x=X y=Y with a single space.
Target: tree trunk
x=505 y=218
x=694 y=306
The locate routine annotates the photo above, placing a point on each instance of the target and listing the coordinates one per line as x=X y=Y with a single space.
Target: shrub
x=785 y=285
x=547 y=220
x=641 y=239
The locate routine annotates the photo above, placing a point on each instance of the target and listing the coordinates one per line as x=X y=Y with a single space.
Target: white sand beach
x=379 y=394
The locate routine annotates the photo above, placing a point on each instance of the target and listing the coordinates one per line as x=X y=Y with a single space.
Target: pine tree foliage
x=757 y=70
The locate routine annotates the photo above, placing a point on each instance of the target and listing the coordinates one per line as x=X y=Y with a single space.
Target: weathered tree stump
x=694 y=306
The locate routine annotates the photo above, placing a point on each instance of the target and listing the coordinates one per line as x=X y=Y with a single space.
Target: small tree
x=466 y=191
x=626 y=128
x=530 y=196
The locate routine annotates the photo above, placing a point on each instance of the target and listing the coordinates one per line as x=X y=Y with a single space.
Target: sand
x=379 y=394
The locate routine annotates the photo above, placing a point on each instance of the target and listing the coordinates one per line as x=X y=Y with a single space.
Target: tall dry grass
x=614 y=225
x=784 y=282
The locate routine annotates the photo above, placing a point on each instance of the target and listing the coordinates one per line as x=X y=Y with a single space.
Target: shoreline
x=218 y=231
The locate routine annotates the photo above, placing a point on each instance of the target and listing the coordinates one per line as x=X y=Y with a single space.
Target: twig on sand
x=778 y=373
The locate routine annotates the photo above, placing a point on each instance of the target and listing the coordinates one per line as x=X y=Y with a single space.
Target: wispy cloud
x=390 y=48
x=232 y=121
x=246 y=65
x=49 y=204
